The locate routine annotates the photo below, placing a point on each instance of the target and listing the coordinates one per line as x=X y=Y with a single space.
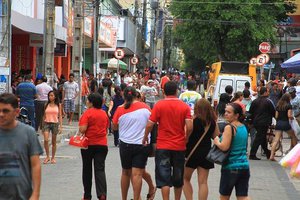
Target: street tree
x=227 y=29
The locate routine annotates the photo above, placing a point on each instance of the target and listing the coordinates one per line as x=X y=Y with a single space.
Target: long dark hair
x=118 y=91
x=129 y=96
x=204 y=111
x=223 y=101
x=56 y=100
x=283 y=102
x=107 y=83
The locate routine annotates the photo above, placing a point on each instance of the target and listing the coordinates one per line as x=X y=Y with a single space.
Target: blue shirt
x=237 y=158
x=27 y=92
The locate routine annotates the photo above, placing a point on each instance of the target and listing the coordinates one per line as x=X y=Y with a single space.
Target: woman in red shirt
x=93 y=124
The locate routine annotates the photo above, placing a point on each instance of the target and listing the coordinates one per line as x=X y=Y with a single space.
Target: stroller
x=23 y=116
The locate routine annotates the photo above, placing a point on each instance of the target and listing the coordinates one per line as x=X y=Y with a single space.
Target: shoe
x=254 y=158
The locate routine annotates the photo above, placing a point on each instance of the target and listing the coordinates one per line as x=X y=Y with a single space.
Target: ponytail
x=129 y=96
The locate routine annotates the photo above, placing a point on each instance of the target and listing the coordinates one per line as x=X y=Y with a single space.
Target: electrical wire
x=233 y=3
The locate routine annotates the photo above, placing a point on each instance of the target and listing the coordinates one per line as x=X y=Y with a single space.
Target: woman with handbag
x=93 y=124
x=235 y=171
x=199 y=144
x=131 y=119
x=283 y=114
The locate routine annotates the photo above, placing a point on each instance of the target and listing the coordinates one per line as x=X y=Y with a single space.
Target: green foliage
x=227 y=29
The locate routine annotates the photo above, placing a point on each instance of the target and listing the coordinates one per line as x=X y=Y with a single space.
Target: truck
x=229 y=73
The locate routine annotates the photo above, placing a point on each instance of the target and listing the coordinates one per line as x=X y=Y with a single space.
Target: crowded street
x=269 y=181
x=149 y=100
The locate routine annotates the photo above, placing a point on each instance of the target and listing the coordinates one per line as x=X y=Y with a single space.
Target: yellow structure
x=232 y=68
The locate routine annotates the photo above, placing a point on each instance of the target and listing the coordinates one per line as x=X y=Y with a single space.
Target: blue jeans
x=30 y=113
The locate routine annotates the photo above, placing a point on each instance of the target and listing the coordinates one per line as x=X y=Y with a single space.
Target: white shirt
x=42 y=91
x=70 y=89
x=128 y=81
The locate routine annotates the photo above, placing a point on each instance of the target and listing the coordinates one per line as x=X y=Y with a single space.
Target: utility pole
x=95 y=37
x=77 y=45
x=5 y=46
x=49 y=40
x=154 y=7
x=136 y=11
x=144 y=23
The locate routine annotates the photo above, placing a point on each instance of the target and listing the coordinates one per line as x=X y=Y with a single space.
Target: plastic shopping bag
x=291 y=158
x=295 y=126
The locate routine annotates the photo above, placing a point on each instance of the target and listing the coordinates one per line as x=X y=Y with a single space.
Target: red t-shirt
x=97 y=123
x=164 y=80
x=171 y=113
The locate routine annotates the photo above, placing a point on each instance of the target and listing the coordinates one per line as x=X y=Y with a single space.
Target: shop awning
x=33 y=25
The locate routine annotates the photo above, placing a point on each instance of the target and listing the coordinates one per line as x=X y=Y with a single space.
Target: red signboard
x=264 y=47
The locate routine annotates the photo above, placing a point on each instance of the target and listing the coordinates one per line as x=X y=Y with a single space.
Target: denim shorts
x=50 y=127
x=133 y=155
x=169 y=167
x=238 y=179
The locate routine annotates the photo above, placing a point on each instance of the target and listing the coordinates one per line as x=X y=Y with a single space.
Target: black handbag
x=216 y=155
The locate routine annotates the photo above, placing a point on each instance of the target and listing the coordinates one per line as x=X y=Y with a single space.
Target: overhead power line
x=233 y=3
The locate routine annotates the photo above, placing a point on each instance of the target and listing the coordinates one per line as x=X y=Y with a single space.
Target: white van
x=237 y=82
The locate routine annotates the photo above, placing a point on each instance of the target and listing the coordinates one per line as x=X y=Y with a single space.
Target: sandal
x=53 y=161
x=46 y=160
x=151 y=196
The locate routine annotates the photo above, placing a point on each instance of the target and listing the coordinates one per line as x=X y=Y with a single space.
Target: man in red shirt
x=175 y=126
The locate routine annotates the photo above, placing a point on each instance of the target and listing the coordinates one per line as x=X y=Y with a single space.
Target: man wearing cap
x=148 y=93
x=295 y=102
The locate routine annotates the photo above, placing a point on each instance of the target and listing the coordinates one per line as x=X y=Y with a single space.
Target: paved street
x=269 y=181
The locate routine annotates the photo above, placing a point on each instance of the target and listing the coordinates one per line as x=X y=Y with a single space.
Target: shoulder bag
x=216 y=155
x=197 y=144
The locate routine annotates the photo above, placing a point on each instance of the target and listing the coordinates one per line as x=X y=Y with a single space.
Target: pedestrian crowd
x=177 y=130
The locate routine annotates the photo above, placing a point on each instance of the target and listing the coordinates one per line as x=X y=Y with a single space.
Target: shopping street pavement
x=62 y=181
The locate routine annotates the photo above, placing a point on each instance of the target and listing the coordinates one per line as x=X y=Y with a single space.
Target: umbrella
x=292 y=65
x=113 y=64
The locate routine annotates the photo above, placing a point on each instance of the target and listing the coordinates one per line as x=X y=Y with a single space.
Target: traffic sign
x=134 y=60
x=253 y=61
x=155 y=60
x=119 y=53
x=264 y=47
x=266 y=56
x=261 y=60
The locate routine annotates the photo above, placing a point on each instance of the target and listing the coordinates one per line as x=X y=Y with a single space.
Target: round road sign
x=266 y=56
x=264 y=47
x=253 y=61
x=260 y=60
x=119 y=53
x=134 y=60
x=155 y=60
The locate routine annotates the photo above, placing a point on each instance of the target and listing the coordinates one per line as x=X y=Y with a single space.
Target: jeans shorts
x=169 y=167
x=234 y=178
x=53 y=127
x=133 y=155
